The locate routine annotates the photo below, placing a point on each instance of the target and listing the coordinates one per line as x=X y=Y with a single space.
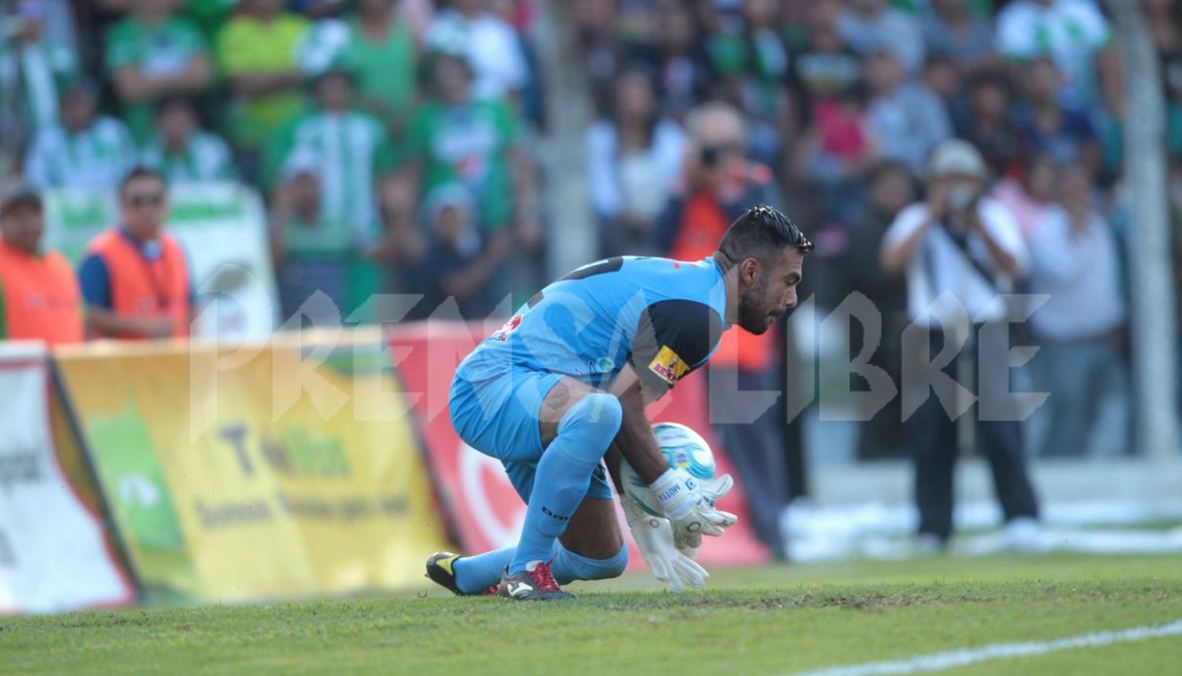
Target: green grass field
x=763 y=621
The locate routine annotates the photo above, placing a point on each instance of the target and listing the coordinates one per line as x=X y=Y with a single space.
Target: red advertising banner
x=485 y=512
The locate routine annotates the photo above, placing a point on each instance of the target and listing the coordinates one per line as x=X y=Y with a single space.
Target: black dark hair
x=855 y=92
x=990 y=78
x=174 y=101
x=886 y=167
x=21 y=199
x=431 y=61
x=139 y=172
x=938 y=59
x=349 y=75
x=632 y=69
x=761 y=232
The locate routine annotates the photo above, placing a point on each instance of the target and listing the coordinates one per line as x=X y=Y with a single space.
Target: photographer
x=959 y=250
x=718 y=185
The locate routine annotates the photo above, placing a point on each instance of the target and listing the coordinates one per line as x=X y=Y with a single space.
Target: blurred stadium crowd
x=391 y=139
x=358 y=120
x=374 y=116
x=833 y=109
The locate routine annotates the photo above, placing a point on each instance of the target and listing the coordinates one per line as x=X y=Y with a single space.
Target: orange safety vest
x=143 y=288
x=703 y=223
x=41 y=297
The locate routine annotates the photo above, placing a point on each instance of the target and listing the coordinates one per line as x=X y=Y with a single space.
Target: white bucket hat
x=957 y=157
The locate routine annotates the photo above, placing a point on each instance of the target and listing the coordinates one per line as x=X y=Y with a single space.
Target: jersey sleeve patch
x=668 y=365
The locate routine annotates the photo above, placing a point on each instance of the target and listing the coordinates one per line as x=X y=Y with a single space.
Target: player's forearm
x=1112 y=79
x=133 y=86
x=103 y=322
x=263 y=83
x=635 y=440
x=197 y=75
x=1004 y=259
x=612 y=459
x=895 y=256
x=475 y=276
x=464 y=284
x=277 y=233
x=524 y=187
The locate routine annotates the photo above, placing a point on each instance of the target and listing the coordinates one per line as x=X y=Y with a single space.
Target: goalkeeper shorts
x=499 y=417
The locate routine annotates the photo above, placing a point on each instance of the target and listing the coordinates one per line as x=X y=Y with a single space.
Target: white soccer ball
x=684 y=449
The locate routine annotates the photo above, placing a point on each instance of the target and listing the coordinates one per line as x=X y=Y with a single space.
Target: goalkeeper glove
x=654 y=538
x=689 y=505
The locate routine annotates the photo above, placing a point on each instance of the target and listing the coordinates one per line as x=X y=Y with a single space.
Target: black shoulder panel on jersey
x=612 y=264
x=673 y=338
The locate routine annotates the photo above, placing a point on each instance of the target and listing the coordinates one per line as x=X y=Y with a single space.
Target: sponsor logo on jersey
x=502 y=334
x=602 y=365
x=668 y=365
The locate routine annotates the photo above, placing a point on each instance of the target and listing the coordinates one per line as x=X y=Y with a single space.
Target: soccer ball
x=684 y=449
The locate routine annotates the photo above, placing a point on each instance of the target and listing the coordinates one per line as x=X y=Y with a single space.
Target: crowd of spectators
x=369 y=126
x=389 y=138
x=832 y=90
x=840 y=105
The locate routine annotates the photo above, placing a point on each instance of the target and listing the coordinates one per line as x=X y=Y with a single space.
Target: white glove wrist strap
x=669 y=486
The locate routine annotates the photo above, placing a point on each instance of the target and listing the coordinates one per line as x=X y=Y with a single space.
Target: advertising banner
x=53 y=556
x=256 y=471
x=223 y=230
x=484 y=509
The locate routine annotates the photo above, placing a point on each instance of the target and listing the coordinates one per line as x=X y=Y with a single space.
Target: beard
x=753 y=314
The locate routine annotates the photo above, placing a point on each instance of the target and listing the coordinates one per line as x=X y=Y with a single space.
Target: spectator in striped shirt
x=354 y=156
x=84 y=150
x=184 y=152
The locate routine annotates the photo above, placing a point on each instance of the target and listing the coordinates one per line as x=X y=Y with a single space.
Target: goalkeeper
x=565 y=382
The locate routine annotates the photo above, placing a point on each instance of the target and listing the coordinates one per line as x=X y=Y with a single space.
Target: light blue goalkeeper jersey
x=664 y=317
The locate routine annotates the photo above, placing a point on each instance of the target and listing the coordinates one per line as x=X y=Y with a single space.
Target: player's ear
x=749 y=271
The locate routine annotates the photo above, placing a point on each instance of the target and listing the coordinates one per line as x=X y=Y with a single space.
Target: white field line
x=967 y=656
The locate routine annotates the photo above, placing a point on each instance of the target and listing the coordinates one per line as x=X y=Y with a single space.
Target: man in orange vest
x=39 y=297
x=135 y=279
x=718 y=184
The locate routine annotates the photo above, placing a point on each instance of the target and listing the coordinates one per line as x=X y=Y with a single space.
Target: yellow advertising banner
x=256 y=471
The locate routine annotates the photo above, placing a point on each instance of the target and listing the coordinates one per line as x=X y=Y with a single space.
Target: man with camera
x=959 y=251
x=718 y=184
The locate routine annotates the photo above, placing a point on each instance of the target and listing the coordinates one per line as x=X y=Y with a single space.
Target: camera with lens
x=709 y=155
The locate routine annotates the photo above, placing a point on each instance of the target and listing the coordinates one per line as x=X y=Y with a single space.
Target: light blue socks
x=477 y=573
x=564 y=474
x=569 y=566
x=561 y=481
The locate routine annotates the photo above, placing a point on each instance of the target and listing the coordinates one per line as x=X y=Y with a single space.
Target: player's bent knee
x=598 y=410
x=595 y=418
